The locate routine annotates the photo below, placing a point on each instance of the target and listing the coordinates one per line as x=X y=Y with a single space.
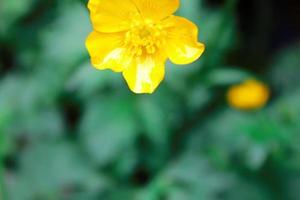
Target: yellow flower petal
x=106 y=51
x=112 y=15
x=156 y=9
x=145 y=74
x=182 y=41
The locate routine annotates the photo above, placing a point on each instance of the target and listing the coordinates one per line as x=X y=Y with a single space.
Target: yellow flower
x=136 y=37
x=248 y=95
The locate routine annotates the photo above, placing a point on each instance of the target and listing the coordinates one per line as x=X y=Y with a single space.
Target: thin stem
x=1 y=179
x=4 y=146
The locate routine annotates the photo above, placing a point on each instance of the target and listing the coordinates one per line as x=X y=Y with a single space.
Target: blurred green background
x=70 y=132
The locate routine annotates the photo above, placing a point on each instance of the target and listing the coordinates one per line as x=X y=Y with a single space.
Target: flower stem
x=1 y=179
x=3 y=195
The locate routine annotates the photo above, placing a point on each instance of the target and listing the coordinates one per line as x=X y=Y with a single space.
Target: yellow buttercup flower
x=136 y=37
x=248 y=95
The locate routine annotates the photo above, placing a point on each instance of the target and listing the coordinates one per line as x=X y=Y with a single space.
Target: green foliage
x=69 y=131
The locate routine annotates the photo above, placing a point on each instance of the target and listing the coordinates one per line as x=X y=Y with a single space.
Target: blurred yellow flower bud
x=251 y=94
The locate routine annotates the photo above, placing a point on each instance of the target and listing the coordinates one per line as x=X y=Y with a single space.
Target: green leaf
x=11 y=11
x=285 y=69
x=227 y=76
x=108 y=128
x=52 y=171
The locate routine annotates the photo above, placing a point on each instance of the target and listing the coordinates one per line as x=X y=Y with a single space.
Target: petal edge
x=144 y=74
x=106 y=51
x=156 y=9
x=183 y=46
x=111 y=15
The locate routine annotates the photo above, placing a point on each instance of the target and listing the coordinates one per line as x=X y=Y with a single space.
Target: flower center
x=144 y=37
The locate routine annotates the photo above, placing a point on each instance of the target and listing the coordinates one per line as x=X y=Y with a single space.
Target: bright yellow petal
x=145 y=74
x=182 y=41
x=156 y=9
x=112 y=15
x=106 y=51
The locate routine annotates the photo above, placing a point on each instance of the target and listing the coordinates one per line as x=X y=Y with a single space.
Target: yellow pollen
x=144 y=38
